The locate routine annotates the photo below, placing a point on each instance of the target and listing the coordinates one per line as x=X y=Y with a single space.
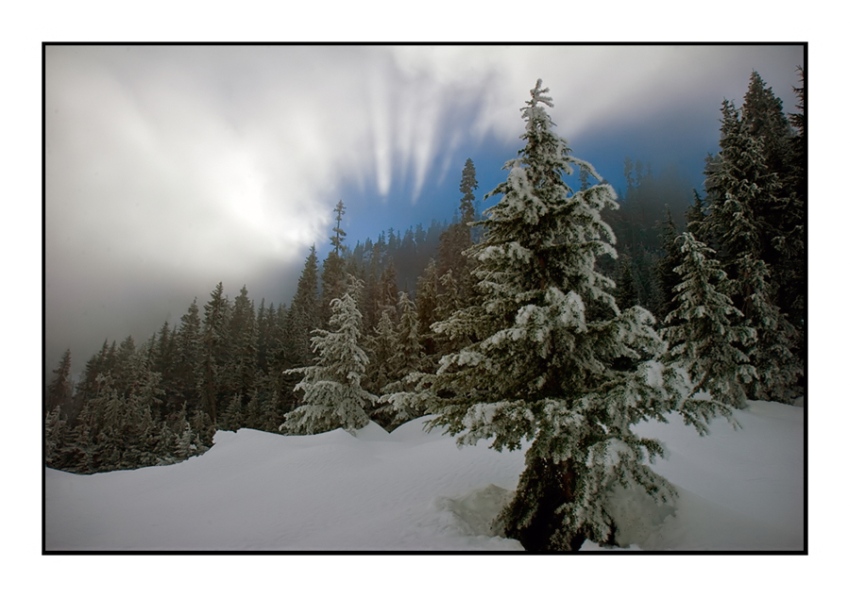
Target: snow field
x=415 y=491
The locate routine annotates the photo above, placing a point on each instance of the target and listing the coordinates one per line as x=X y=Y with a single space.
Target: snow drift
x=414 y=491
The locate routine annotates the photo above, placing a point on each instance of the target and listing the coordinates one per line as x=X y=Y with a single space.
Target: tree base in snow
x=532 y=517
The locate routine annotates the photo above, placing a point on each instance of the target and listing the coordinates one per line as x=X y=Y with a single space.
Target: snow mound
x=637 y=517
x=372 y=432
x=412 y=490
x=476 y=510
x=414 y=431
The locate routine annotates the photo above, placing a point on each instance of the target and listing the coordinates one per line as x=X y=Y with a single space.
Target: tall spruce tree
x=792 y=278
x=381 y=345
x=242 y=369
x=60 y=389
x=339 y=233
x=557 y=364
x=763 y=114
x=468 y=184
x=745 y=202
x=333 y=268
x=333 y=396
x=404 y=364
x=670 y=259
x=188 y=352
x=427 y=292
x=214 y=352
x=164 y=361
x=705 y=332
x=457 y=238
x=304 y=313
x=626 y=291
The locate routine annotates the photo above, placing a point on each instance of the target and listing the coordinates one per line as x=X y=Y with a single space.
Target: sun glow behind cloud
x=181 y=140
x=207 y=163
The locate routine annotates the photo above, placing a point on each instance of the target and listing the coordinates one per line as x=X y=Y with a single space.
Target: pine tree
x=667 y=277
x=242 y=339
x=626 y=291
x=333 y=268
x=705 y=332
x=745 y=204
x=408 y=355
x=188 y=354
x=381 y=347
x=468 y=184
x=557 y=364
x=164 y=362
x=793 y=275
x=779 y=368
x=304 y=314
x=95 y=366
x=388 y=289
x=427 y=291
x=203 y=428
x=60 y=389
x=214 y=353
x=339 y=233
x=333 y=284
x=457 y=238
x=404 y=366
x=262 y=338
x=56 y=440
x=185 y=446
x=763 y=114
x=333 y=396
x=628 y=172
x=232 y=419
x=256 y=414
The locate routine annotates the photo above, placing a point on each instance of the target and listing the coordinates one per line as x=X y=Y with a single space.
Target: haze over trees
x=552 y=321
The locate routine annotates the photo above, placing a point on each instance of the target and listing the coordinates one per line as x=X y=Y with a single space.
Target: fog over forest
x=171 y=168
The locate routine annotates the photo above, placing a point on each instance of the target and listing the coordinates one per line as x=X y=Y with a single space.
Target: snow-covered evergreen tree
x=56 y=435
x=666 y=266
x=188 y=354
x=468 y=184
x=333 y=396
x=626 y=292
x=556 y=364
x=60 y=388
x=214 y=352
x=792 y=280
x=381 y=345
x=232 y=419
x=241 y=367
x=408 y=354
x=304 y=314
x=705 y=332
x=399 y=394
x=779 y=368
x=427 y=290
x=745 y=202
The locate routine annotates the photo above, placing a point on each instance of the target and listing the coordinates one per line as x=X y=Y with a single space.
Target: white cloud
x=199 y=150
x=203 y=163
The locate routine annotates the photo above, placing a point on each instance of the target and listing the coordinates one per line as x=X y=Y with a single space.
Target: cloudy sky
x=171 y=168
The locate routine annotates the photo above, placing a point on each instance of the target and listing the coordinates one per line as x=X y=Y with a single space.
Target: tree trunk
x=544 y=487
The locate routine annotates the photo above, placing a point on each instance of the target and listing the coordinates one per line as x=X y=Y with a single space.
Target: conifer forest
x=552 y=312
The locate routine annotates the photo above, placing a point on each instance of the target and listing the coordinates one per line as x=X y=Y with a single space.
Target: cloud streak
x=178 y=166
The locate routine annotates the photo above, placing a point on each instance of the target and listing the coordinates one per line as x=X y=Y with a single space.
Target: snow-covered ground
x=410 y=490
